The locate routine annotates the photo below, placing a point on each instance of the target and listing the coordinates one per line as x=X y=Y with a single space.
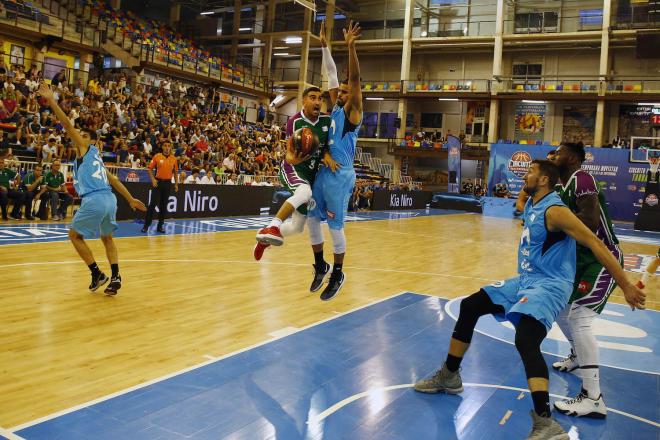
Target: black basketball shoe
x=113 y=287
x=97 y=281
x=335 y=283
x=319 y=277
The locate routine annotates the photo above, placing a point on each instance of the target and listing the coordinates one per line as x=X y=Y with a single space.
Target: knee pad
x=338 y=240
x=315 y=232
x=301 y=196
x=295 y=225
x=529 y=335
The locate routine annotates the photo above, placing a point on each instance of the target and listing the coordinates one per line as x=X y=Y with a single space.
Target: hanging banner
x=579 y=124
x=529 y=122
x=453 y=145
x=623 y=183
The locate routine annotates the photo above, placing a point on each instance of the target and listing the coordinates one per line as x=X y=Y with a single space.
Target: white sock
x=645 y=278
x=275 y=222
x=591 y=382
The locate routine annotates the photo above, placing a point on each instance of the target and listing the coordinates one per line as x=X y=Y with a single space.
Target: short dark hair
x=92 y=133
x=549 y=169
x=310 y=89
x=576 y=148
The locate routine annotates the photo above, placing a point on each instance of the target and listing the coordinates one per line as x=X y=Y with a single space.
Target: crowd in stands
x=212 y=141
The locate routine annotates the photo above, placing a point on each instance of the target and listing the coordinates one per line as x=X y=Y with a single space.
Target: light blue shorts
x=97 y=215
x=331 y=193
x=540 y=298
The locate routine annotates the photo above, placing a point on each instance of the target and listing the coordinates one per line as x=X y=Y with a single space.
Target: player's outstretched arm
x=121 y=189
x=74 y=135
x=329 y=66
x=560 y=218
x=353 y=106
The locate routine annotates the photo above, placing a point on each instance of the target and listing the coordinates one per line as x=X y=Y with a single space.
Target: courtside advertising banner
x=623 y=182
x=386 y=200
x=195 y=201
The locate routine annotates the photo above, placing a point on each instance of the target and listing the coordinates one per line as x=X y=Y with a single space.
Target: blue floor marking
x=274 y=390
x=21 y=233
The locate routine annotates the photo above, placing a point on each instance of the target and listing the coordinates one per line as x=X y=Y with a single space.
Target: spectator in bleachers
x=501 y=190
x=468 y=188
x=59 y=197
x=194 y=177
x=9 y=182
x=33 y=186
x=22 y=86
x=59 y=79
x=4 y=142
x=230 y=163
x=208 y=179
x=49 y=151
x=9 y=112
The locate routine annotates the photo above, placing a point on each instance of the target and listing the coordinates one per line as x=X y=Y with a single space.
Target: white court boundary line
x=274 y=263
x=339 y=405
x=10 y=435
x=460 y=298
x=188 y=369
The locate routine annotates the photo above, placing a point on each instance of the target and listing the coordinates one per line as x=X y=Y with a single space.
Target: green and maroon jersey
x=593 y=284
x=307 y=169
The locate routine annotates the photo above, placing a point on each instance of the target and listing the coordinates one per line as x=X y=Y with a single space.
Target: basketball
x=305 y=141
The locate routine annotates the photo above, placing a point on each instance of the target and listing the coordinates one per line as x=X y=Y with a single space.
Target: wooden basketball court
x=188 y=298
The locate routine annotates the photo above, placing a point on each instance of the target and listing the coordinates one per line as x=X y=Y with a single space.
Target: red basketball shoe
x=259 y=249
x=270 y=235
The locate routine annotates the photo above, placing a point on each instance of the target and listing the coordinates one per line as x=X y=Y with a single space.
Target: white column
x=603 y=71
x=494 y=116
x=405 y=65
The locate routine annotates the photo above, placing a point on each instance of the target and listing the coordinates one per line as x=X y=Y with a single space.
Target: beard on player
x=531 y=185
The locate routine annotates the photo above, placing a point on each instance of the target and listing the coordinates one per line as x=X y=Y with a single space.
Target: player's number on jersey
x=100 y=171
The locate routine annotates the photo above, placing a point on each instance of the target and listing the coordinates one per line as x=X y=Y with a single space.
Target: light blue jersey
x=98 y=210
x=89 y=173
x=550 y=255
x=332 y=191
x=343 y=138
x=546 y=268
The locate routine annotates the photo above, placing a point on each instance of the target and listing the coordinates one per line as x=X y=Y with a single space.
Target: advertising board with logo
x=384 y=200
x=622 y=182
x=194 y=201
